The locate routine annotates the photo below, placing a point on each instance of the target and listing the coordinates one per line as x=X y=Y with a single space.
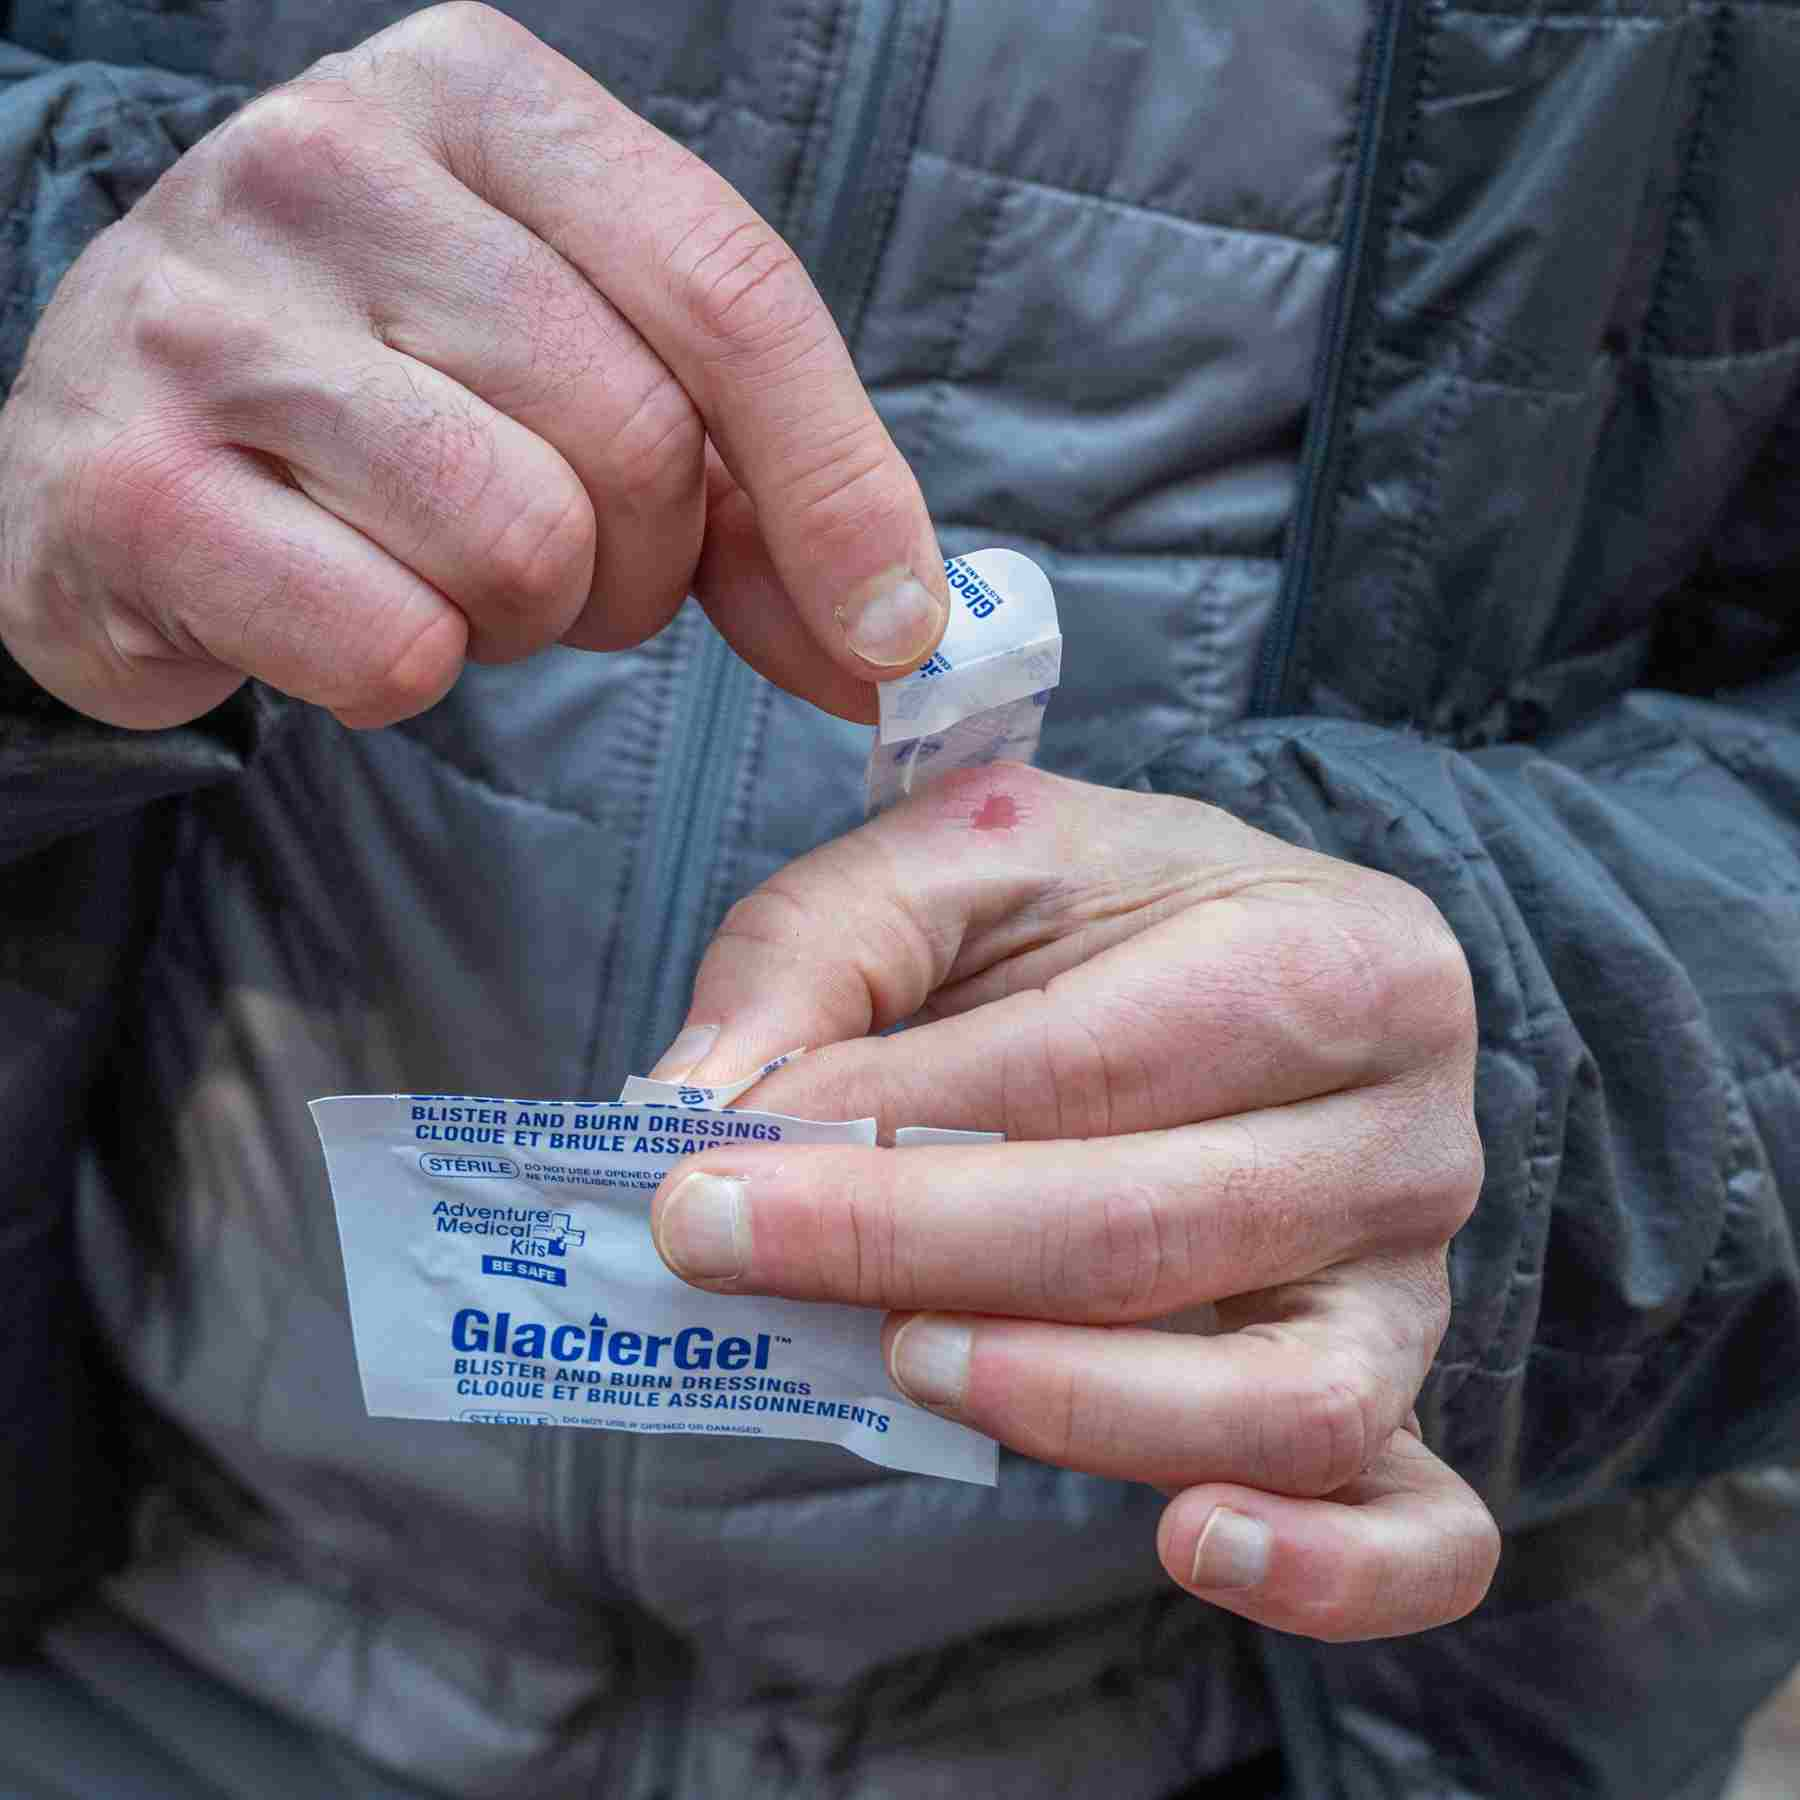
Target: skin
x=1231 y=1074
x=440 y=353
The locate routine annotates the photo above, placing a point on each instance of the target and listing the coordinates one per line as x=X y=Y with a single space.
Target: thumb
x=855 y=937
x=753 y=609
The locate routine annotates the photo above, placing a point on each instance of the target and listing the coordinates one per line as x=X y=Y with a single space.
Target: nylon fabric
x=1545 y=658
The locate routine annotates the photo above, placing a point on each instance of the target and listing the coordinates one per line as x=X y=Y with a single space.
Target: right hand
x=441 y=352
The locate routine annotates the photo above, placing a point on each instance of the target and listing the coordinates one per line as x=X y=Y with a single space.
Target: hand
x=440 y=351
x=1230 y=1072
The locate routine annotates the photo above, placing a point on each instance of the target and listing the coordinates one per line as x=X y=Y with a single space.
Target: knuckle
x=552 y=335
x=1348 y=1603
x=1428 y=1177
x=1323 y=1434
x=293 y=154
x=433 y=450
x=435 y=41
x=457 y=23
x=1434 y=996
x=406 y=678
x=770 y=918
x=867 y=1262
x=1067 y=1421
x=1473 y=1559
x=747 y=292
x=1387 y=968
x=791 y=914
x=541 y=562
x=1130 y=1258
x=183 y=322
x=1433 y=1302
x=1440 y=1577
x=1466 y=1171
x=856 y=492
x=144 y=487
x=656 y=460
x=1407 y=1326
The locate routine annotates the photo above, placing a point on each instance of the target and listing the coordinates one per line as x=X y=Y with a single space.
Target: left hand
x=1230 y=1072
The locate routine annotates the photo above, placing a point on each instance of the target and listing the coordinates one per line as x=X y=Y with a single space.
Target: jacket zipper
x=693 y=786
x=1322 y=459
x=715 y=693
x=717 y=690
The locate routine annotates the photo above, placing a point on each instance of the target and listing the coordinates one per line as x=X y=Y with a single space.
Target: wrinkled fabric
x=1468 y=351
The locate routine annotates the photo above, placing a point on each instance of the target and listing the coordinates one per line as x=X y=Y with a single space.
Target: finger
x=747 y=602
x=1176 y=983
x=1301 y=1408
x=1406 y=1547
x=724 y=303
x=484 y=510
x=1108 y=1230
x=460 y=286
x=218 y=562
x=854 y=936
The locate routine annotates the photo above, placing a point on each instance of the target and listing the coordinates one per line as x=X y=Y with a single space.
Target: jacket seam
x=1423 y=515
x=658 y=694
x=1639 y=22
x=1343 y=185
x=1684 y=206
x=724 y=879
x=1662 y=365
x=932 y=429
x=1653 y=1361
x=817 y=127
x=492 y=789
x=1555 y=21
x=900 y=1737
x=1414 y=548
x=1357 y=374
x=1093 y=197
x=1072 y=547
x=1788 y=1066
x=855 y=305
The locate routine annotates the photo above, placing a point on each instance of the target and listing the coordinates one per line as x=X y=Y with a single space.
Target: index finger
x=1095 y=1231
x=713 y=289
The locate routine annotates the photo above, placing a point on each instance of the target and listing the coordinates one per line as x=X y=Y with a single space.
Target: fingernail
x=687 y=1052
x=704 y=1230
x=930 y=1360
x=1233 y=1552
x=891 y=619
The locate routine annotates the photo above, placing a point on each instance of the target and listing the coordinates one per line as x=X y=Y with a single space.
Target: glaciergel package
x=981 y=697
x=501 y=1271
x=498 y=1252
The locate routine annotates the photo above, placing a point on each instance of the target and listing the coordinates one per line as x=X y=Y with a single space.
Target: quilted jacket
x=1404 y=398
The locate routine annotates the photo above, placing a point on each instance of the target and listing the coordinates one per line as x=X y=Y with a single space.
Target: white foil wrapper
x=501 y=1272
x=981 y=697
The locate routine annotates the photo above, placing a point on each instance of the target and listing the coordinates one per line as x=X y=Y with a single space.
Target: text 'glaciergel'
x=498 y=1252
x=501 y=1272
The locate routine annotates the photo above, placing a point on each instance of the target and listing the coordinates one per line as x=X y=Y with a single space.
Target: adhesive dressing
x=497 y=1252
x=980 y=698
